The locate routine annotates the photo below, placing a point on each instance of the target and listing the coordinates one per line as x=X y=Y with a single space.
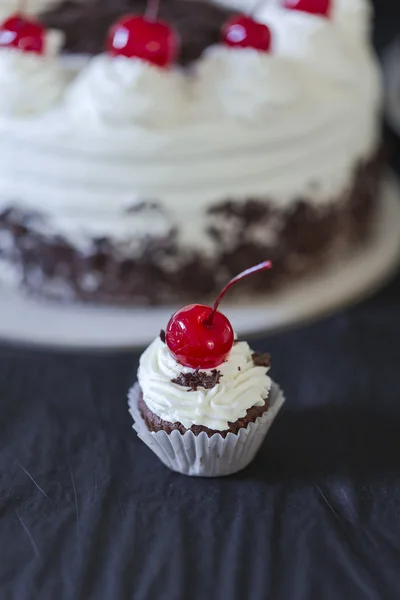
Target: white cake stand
x=24 y=320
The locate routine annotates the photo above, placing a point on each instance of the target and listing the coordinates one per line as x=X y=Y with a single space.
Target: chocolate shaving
x=162 y=335
x=235 y=342
x=85 y=24
x=144 y=205
x=198 y=379
x=261 y=359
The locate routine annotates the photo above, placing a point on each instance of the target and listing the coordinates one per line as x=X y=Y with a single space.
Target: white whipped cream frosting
x=244 y=84
x=333 y=49
x=241 y=386
x=355 y=19
x=32 y=7
x=30 y=82
x=292 y=123
x=119 y=91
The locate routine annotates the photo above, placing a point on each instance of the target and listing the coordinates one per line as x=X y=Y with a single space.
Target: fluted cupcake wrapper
x=203 y=456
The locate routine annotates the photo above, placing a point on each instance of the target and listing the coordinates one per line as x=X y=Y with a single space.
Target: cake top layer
x=238 y=81
x=85 y=24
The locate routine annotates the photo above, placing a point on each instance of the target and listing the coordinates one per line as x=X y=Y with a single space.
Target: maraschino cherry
x=23 y=33
x=144 y=37
x=315 y=7
x=242 y=31
x=199 y=336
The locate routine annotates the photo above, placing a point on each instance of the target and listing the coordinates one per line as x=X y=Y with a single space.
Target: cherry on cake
x=148 y=153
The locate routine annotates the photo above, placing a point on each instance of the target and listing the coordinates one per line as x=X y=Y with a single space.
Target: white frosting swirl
x=354 y=17
x=120 y=91
x=242 y=385
x=244 y=83
x=33 y=7
x=31 y=83
x=314 y=44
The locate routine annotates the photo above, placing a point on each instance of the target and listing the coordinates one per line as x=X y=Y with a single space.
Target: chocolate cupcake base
x=154 y=423
x=201 y=455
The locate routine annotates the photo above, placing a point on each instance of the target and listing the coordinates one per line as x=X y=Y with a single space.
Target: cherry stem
x=153 y=7
x=264 y=266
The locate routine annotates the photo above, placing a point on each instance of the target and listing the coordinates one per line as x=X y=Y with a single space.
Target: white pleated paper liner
x=199 y=455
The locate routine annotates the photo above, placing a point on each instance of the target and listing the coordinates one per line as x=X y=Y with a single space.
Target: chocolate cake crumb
x=138 y=271
x=235 y=342
x=261 y=359
x=239 y=369
x=145 y=205
x=162 y=335
x=198 y=379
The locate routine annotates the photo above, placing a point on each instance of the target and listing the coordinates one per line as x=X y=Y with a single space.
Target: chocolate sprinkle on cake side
x=198 y=379
x=162 y=335
x=154 y=423
x=307 y=237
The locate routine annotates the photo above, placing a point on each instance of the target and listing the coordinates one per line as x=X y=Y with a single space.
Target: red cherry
x=22 y=33
x=152 y=41
x=315 y=7
x=244 y=32
x=192 y=343
x=199 y=336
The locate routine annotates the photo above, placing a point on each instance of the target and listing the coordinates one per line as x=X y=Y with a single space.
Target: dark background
x=387 y=22
x=88 y=512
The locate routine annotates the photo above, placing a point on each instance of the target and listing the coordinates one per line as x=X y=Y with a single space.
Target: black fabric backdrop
x=88 y=512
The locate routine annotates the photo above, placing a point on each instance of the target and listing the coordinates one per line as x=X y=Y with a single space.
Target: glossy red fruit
x=199 y=336
x=193 y=343
x=25 y=34
x=315 y=7
x=244 y=32
x=139 y=37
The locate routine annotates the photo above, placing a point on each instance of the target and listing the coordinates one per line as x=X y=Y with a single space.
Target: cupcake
x=204 y=401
